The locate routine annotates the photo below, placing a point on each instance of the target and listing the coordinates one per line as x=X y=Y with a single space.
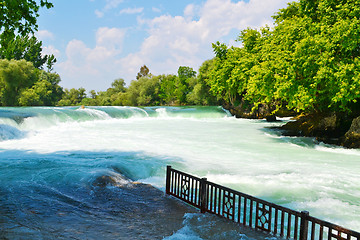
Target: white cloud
x=45 y=35
x=191 y=11
x=131 y=10
x=111 y=38
x=110 y=4
x=49 y=50
x=175 y=41
x=172 y=41
x=93 y=67
x=157 y=10
x=99 y=13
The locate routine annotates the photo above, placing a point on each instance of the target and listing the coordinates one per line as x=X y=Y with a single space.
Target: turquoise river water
x=72 y=173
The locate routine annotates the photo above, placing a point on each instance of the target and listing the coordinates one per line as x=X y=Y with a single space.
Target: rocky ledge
x=351 y=139
x=327 y=128
x=331 y=128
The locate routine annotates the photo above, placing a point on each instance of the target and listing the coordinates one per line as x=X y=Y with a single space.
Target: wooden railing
x=251 y=211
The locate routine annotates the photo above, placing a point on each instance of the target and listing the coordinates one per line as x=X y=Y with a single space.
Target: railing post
x=168 y=175
x=304 y=225
x=203 y=195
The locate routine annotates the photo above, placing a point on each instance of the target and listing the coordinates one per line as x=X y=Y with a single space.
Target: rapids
x=88 y=173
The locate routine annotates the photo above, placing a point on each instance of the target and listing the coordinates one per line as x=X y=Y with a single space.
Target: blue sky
x=98 y=41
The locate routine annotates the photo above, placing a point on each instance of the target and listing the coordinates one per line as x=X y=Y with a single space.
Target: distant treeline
x=21 y=84
x=185 y=88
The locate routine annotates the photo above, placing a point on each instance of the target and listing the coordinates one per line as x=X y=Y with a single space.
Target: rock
x=328 y=128
x=245 y=110
x=332 y=128
x=355 y=126
x=103 y=181
x=351 y=138
x=271 y=118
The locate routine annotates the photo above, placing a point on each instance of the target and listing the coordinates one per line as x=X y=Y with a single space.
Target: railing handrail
x=251 y=211
x=252 y=197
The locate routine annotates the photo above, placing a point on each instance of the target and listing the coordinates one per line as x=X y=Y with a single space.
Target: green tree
x=15 y=76
x=18 y=20
x=114 y=96
x=168 y=89
x=72 y=97
x=200 y=93
x=144 y=71
x=42 y=93
x=93 y=94
x=119 y=85
x=144 y=92
x=28 y=48
x=104 y=97
x=20 y=16
x=48 y=89
x=228 y=76
x=309 y=62
x=185 y=74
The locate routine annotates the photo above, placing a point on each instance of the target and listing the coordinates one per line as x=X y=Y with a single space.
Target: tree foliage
x=200 y=93
x=308 y=62
x=15 y=76
x=144 y=71
x=28 y=48
x=22 y=84
x=20 y=16
x=18 y=22
x=183 y=89
x=72 y=97
x=44 y=92
x=185 y=75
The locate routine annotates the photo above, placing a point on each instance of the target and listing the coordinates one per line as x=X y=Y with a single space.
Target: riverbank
x=331 y=128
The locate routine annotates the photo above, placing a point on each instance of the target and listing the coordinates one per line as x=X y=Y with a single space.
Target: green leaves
x=309 y=62
x=22 y=84
x=28 y=48
x=20 y=16
x=15 y=76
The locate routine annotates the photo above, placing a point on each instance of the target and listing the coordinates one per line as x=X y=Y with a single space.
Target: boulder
x=271 y=118
x=312 y=125
x=245 y=110
x=326 y=127
x=351 y=138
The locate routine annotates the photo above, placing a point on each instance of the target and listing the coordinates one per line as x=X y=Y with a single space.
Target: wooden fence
x=250 y=211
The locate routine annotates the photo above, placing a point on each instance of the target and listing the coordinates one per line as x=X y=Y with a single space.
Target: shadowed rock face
x=330 y=128
x=351 y=138
x=321 y=126
x=245 y=110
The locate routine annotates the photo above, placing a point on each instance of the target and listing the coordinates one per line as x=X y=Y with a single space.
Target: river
x=72 y=173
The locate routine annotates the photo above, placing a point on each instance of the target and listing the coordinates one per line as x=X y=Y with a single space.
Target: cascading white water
x=72 y=145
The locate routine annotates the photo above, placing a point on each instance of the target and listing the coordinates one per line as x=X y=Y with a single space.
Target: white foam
x=9 y=132
x=338 y=150
x=162 y=113
x=97 y=114
x=228 y=151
